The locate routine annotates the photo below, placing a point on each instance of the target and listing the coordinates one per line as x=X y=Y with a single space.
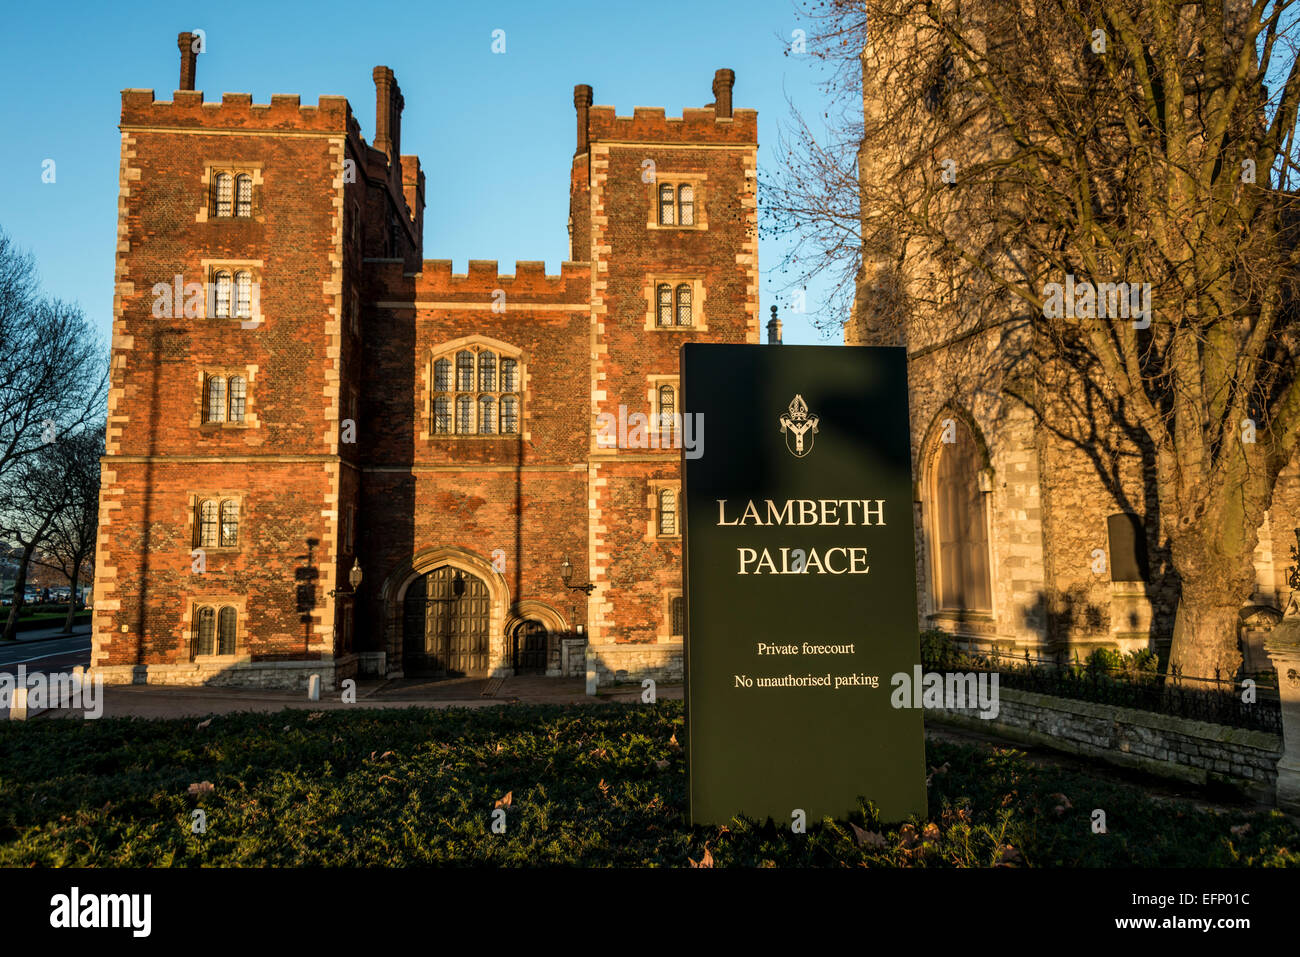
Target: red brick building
x=296 y=392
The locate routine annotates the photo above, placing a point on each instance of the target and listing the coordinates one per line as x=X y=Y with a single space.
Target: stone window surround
x=207 y=210
x=476 y=344
x=667 y=633
x=677 y=180
x=239 y=497
x=699 y=322
x=190 y=627
x=654 y=487
x=210 y=268
x=249 y=373
x=652 y=396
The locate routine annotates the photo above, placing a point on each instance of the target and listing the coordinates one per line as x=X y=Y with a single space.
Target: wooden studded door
x=446 y=620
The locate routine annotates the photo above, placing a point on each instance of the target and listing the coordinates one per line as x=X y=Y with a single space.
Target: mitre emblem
x=799 y=426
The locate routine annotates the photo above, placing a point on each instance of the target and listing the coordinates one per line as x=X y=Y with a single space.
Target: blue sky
x=498 y=129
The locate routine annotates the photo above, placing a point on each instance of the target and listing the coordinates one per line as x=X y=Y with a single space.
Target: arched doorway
x=446 y=624
x=961 y=581
x=530 y=645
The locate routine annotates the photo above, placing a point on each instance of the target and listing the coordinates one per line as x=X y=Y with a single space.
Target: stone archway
x=534 y=628
x=393 y=594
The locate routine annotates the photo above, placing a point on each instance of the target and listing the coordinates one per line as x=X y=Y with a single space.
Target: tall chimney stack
x=723 y=81
x=582 y=103
x=188 y=58
x=388 y=113
x=774 y=329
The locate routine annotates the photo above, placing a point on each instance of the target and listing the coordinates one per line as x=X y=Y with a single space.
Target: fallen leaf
x=673 y=740
x=504 y=801
x=661 y=764
x=865 y=838
x=203 y=724
x=1241 y=830
x=1062 y=800
x=387 y=777
x=909 y=836
x=315 y=714
x=930 y=832
x=202 y=787
x=1008 y=855
x=705 y=861
x=604 y=788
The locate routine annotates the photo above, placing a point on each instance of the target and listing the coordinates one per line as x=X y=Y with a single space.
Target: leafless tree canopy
x=1014 y=156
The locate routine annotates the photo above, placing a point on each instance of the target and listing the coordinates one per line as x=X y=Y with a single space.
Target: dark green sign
x=800 y=584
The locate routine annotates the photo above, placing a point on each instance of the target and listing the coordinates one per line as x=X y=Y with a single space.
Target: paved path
x=154 y=701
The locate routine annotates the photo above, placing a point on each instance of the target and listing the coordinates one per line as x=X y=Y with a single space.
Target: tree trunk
x=20 y=586
x=72 y=599
x=1205 y=643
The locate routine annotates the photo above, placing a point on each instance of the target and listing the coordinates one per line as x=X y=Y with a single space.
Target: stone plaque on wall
x=800 y=584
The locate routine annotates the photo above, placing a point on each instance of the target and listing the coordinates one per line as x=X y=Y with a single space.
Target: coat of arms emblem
x=799 y=427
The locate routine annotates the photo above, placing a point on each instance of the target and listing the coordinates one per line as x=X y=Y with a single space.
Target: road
x=50 y=655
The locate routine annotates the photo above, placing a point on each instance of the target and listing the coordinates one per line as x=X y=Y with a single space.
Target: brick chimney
x=188 y=59
x=774 y=329
x=723 y=81
x=582 y=103
x=388 y=114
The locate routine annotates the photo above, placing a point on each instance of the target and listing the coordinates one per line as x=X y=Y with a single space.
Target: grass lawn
x=589 y=786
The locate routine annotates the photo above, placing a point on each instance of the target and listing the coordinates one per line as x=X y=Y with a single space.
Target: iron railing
x=1215 y=700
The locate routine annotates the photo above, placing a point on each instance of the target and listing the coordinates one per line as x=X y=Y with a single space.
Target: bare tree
x=52 y=370
x=30 y=501
x=1023 y=167
x=70 y=543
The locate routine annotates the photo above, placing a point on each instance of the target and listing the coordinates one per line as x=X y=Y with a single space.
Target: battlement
x=237 y=111
x=650 y=124
x=528 y=284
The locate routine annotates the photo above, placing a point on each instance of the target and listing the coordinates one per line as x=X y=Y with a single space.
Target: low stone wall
x=618 y=663
x=1192 y=751
x=279 y=675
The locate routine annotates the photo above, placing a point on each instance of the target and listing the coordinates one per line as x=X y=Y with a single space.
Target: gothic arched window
x=665 y=307
x=666 y=204
x=243 y=195
x=684 y=304
x=226 y=622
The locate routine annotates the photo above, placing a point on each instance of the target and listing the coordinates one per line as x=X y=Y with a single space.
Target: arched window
x=666 y=204
x=243 y=195
x=442 y=375
x=667 y=512
x=686 y=205
x=224 y=193
x=684 y=304
x=238 y=398
x=463 y=409
x=208 y=524
x=961 y=559
x=207 y=618
x=442 y=415
x=487 y=372
x=243 y=295
x=215 y=410
x=229 y=524
x=486 y=416
x=226 y=622
x=665 y=295
x=508 y=367
x=678 y=614
x=667 y=408
x=223 y=285
x=509 y=415
x=465 y=371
